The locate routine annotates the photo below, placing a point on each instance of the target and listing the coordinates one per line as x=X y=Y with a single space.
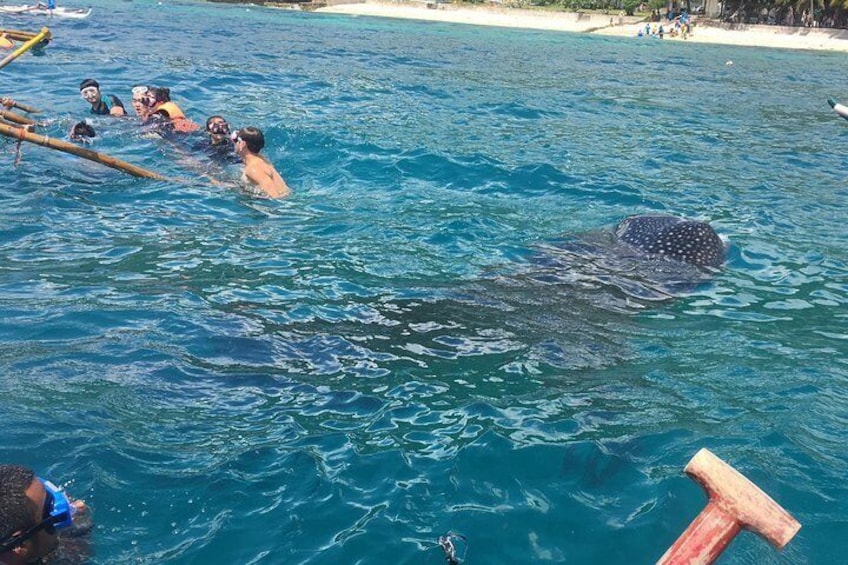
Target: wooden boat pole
x=16 y=118
x=734 y=503
x=23 y=135
x=18 y=35
x=35 y=40
x=26 y=108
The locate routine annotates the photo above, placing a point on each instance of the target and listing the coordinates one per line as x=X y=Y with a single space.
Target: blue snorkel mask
x=57 y=513
x=62 y=512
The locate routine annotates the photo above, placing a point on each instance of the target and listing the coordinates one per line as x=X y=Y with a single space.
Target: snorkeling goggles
x=220 y=128
x=145 y=95
x=89 y=91
x=58 y=513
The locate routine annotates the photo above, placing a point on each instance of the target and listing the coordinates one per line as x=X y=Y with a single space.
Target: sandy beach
x=705 y=31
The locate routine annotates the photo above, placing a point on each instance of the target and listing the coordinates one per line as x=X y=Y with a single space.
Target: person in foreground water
x=32 y=511
x=258 y=171
x=111 y=106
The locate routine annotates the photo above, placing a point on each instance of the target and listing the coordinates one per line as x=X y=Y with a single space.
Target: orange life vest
x=178 y=119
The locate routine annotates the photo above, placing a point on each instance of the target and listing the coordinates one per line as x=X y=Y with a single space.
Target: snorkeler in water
x=258 y=171
x=82 y=132
x=161 y=107
x=32 y=512
x=139 y=95
x=216 y=144
x=109 y=105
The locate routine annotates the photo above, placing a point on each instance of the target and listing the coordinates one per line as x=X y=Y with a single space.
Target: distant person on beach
x=258 y=171
x=160 y=107
x=31 y=512
x=110 y=106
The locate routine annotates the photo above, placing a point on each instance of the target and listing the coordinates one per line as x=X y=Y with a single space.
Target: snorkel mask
x=57 y=513
x=219 y=128
x=61 y=510
x=139 y=93
x=90 y=93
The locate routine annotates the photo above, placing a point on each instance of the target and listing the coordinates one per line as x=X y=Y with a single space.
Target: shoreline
x=704 y=31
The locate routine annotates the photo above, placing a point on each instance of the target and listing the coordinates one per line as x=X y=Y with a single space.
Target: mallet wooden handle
x=735 y=504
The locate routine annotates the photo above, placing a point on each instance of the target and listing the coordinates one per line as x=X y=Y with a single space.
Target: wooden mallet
x=735 y=503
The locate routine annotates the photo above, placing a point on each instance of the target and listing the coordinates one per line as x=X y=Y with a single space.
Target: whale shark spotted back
x=689 y=241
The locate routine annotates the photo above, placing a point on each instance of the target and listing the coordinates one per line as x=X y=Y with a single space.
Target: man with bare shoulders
x=258 y=171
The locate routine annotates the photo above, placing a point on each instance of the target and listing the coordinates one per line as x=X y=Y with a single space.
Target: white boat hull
x=33 y=10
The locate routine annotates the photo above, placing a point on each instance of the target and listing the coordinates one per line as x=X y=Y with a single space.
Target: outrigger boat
x=31 y=40
x=41 y=10
x=20 y=35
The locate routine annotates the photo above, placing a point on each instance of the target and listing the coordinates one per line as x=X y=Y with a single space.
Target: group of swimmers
x=153 y=105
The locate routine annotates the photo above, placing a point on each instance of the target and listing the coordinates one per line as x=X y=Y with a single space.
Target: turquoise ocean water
x=417 y=341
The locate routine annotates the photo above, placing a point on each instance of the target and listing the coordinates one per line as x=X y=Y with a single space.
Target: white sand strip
x=703 y=32
x=477 y=15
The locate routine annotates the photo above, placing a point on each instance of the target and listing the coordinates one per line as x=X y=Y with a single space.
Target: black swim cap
x=89 y=82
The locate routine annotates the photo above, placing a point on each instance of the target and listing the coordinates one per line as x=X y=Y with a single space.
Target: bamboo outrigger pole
x=26 y=108
x=23 y=135
x=16 y=118
x=18 y=35
x=32 y=42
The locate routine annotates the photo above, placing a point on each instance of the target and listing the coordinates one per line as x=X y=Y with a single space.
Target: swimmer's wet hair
x=89 y=82
x=16 y=515
x=253 y=137
x=159 y=93
x=82 y=129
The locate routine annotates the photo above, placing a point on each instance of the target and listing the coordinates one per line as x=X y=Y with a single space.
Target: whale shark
x=569 y=302
x=645 y=257
x=689 y=241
